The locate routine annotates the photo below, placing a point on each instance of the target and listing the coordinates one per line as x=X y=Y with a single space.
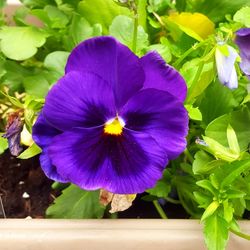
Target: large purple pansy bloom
x=243 y=41
x=113 y=120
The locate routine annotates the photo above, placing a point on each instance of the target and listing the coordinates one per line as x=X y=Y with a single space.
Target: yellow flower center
x=114 y=126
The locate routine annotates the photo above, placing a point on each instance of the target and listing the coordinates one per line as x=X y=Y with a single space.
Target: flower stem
x=159 y=209
x=197 y=76
x=168 y=199
x=189 y=51
x=135 y=30
x=188 y=155
x=242 y=235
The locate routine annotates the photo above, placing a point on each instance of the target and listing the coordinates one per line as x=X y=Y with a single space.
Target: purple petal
x=243 y=41
x=79 y=100
x=13 y=134
x=125 y=164
x=162 y=116
x=225 y=67
x=161 y=76
x=243 y=32
x=43 y=134
x=113 y=62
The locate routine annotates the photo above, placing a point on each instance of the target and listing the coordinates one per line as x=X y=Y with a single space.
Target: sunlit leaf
x=216 y=232
x=30 y=152
x=195 y=25
x=20 y=43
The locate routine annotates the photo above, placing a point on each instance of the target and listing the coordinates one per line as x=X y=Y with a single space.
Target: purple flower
x=13 y=133
x=114 y=120
x=225 y=66
x=243 y=41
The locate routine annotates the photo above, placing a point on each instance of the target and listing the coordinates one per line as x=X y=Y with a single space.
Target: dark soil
x=25 y=177
x=20 y=178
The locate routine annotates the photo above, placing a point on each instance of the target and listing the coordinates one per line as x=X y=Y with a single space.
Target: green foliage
x=198 y=75
x=20 y=43
x=81 y=30
x=76 y=203
x=216 y=232
x=2 y=3
x=238 y=120
x=30 y=152
x=55 y=62
x=162 y=188
x=103 y=13
x=217 y=9
x=51 y=17
x=3 y=144
x=36 y=85
x=37 y=3
x=122 y=28
x=243 y=16
x=216 y=101
x=205 y=163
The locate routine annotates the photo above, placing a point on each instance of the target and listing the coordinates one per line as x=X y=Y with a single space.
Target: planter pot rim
x=112 y=234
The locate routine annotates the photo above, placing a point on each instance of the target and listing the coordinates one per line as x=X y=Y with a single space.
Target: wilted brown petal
x=121 y=202
x=105 y=197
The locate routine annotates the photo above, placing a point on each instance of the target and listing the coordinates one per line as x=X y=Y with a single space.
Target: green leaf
x=13 y=100
x=37 y=86
x=2 y=3
x=103 y=13
x=159 y=6
x=193 y=113
x=239 y=206
x=14 y=74
x=51 y=16
x=235 y=194
x=37 y=3
x=216 y=232
x=122 y=28
x=210 y=210
x=204 y=163
x=3 y=144
x=217 y=9
x=56 y=62
x=216 y=101
x=80 y=30
x=219 y=150
x=243 y=16
x=233 y=170
x=239 y=120
x=20 y=43
x=223 y=48
x=203 y=199
x=186 y=186
x=163 y=50
x=30 y=152
x=76 y=203
x=142 y=13
x=206 y=184
x=189 y=71
x=162 y=187
x=232 y=140
x=228 y=211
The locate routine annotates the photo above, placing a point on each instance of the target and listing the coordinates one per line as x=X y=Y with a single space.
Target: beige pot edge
x=127 y=234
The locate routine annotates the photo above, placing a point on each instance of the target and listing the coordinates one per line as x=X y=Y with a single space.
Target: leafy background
x=211 y=178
